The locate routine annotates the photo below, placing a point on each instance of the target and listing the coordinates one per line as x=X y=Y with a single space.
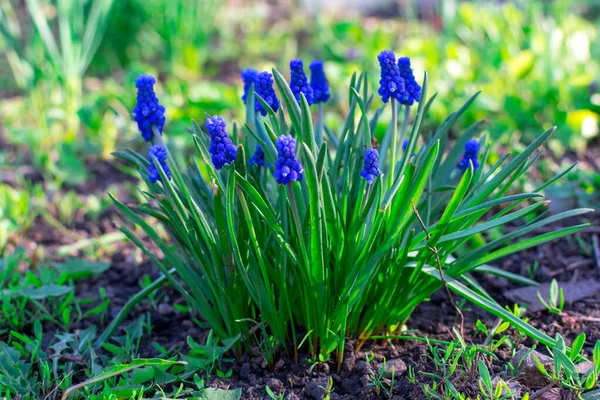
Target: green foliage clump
x=330 y=256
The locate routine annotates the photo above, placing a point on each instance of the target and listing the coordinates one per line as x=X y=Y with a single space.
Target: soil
x=570 y=259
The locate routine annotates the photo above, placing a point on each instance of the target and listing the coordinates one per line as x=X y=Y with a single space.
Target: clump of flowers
x=326 y=254
x=258 y=158
x=391 y=84
x=263 y=86
x=299 y=81
x=148 y=112
x=412 y=89
x=287 y=167
x=318 y=82
x=471 y=152
x=221 y=147
x=248 y=77
x=370 y=170
x=160 y=154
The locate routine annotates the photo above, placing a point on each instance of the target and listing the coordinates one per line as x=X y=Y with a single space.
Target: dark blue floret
x=287 y=168
x=318 y=82
x=370 y=171
x=263 y=86
x=391 y=84
x=404 y=144
x=221 y=147
x=470 y=154
x=248 y=76
x=412 y=90
x=160 y=153
x=299 y=81
x=258 y=158
x=147 y=111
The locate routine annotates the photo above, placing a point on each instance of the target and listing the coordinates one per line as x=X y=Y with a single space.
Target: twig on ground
x=572 y=266
x=440 y=270
x=542 y=391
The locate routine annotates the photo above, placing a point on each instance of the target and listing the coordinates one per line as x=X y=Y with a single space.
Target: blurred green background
x=67 y=69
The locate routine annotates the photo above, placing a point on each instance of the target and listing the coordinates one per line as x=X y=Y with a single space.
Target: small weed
x=556 y=299
x=380 y=381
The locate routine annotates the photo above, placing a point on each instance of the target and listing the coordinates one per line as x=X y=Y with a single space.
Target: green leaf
x=220 y=394
x=121 y=369
x=50 y=290
x=77 y=268
x=577 y=346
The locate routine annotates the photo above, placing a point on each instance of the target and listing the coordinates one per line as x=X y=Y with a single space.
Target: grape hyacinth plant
x=263 y=86
x=370 y=170
x=148 y=112
x=248 y=77
x=318 y=82
x=391 y=84
x=221 y=147
x=319 y=249
x=160 y=154
x=299 y=82
x=471 y=152
x=287 y=167
x=320 y=87
x=258 y=158
x=412 y=89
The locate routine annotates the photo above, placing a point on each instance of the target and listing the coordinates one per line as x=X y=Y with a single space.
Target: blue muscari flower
x=147 y=111
x=471 y=149
x=160 y=153
x=318 y=82
x=221 y=147
x=370 y=170
x=248 y=76
x=391 y=83
x=404 y=144
x=287 y=168
x=258 y=158
x=299 y=81
x=263 y=86
x=412 y=90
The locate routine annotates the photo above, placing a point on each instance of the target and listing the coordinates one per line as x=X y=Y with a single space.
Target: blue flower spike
x=160 y=153
x=471 y=153
x=370 y=170
x=404 y=144
x=318 y=82
x=412 y=89
x=248 y=77
x=258 y=158
x=287 y=167
x=148 y=112
x=263 y=86
x=299 y=82
x=221 y=148
x=391 y=84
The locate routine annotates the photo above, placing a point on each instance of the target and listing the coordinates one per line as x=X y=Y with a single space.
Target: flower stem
x=320 y=125
x=405 y=122
x=394 y=143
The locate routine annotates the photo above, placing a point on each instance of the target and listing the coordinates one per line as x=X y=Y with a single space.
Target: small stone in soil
x=515 y=387
x=275 y=384
x=279 y=365
x=396 y=365
x=245 y=370
x=316 y=388
x=584 y=367
x=527 y=367
x=573 y=292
